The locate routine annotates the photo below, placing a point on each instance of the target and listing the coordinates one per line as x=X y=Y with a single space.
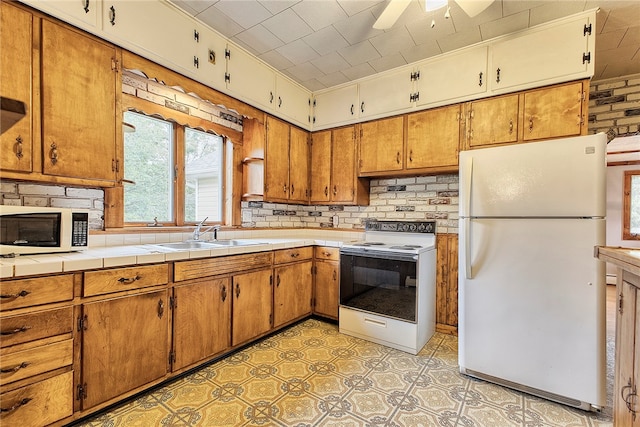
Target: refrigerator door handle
x=466 y=172
x=467 y=247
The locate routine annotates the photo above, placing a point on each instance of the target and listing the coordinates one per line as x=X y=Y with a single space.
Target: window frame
x=231 y=176
x=626 y=205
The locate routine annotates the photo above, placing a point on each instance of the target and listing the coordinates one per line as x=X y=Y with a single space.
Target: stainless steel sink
x=187 y=245
x=234 y=242
x=207 y=244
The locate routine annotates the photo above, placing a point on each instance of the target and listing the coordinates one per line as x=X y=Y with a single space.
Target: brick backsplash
x=410 y=199
x=614 y=106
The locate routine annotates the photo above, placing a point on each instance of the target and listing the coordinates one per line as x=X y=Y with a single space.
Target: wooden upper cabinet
x=345 y=186
x=381 y=145
x=433 y=138
x=16 y=66
x=493 y=121
x=79 y=122
x=277 y=161
x=554 y=112
x=320 y=168
x=298 y=166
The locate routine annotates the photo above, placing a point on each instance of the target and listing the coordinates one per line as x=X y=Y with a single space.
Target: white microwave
x=39 y=230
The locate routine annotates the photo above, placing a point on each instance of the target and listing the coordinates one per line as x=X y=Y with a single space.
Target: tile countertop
x=625 y=258
x=131 y=254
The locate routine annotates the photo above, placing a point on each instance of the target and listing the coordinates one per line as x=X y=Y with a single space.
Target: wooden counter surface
x=626 y=258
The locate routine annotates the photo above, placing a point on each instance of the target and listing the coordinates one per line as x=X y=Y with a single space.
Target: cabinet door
x=453 y=77
x=433 y=138
x=252 y=309
x=381 y=146
x=320 y=167
x=553 y=112
x=201 y=321
x=493 y=121
x=292 y=292
x=16 y=31
x=155 y=30
x=124 y=344
x=250 y=79
x=298 y=166
x=627 y=351
x=81 y=13
x=326 y=288
x=335 y=107
x=292 y=101
x=551 y=53
x=386 y=94
x=447 y=280
x=210 y=53
x=343 y=165
x=277 y=161
x=78 y=105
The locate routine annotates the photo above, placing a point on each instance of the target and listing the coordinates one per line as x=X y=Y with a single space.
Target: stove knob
x=421 y=227
x=412 y=227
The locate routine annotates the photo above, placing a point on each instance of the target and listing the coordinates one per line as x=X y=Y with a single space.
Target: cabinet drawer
x=124 y=279
x=38 y=404
x=197 y=269
x=34 y=326
x=324 y=252
x=30 y=292
x=291 y=255
x=27 y=363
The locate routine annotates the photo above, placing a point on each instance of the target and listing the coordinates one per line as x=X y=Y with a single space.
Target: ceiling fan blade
x=391 y=14
x=473 y=7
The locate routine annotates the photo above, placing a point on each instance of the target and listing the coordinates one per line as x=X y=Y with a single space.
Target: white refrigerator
x=531 y=293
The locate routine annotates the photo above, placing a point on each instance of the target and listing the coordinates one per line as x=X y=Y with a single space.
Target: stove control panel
x=402 y=226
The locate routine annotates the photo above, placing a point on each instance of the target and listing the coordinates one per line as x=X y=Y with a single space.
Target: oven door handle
x=379 y=254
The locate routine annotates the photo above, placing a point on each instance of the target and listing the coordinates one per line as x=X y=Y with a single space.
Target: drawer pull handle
x=127 y=280
x=224 y=293
x=15 y=331
x=327 y=254
x=237 y=290
x=295 y=255
x=160 y=308
x=22 y=293
x=627 y=399
x=16 y=406
x=15 y=368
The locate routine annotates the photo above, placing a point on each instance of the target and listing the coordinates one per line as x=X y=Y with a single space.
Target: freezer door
x=532 y=304
x=557 y=178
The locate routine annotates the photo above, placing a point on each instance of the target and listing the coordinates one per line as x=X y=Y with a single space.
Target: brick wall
x=614 y=106
x=411 y=199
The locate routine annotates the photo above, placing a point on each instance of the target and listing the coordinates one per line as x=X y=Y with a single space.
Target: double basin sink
x=197 y=244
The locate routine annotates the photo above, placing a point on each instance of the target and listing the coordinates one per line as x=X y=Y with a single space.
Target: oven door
x=378 y=282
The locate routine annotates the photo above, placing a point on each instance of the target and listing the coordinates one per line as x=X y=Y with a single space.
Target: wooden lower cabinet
x=38 y=404
x=292 y=292
x=326 y=282
x=201 y=320
x=447 y=283
x=252 y=305
x=124 y=345
x=626 y=406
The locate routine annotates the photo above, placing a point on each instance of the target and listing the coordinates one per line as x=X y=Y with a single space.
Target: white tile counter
x=121 y=250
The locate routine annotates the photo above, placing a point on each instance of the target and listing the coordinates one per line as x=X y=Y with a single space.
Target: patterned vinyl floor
x=311 y=375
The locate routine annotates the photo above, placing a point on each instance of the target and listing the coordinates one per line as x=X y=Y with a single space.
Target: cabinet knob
x=362 y=107
x=293 y=190
x=510 y=126
x=53 y=154
x=86 y=6
x=411 y=156
x=18 y=147
x=326 y=190
x=530 y=123
x=335 y=275
x=237 y=290
x=160 y=308
x=335 y=190
x=398 y=157
x=480 y=79
x=223 y=293
x=112 y=15
x=498 y=75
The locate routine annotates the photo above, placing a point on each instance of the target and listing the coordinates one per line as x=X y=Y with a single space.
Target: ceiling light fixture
x=431 y=5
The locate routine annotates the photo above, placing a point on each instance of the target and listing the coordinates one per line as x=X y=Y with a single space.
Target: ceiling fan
x=395 y=8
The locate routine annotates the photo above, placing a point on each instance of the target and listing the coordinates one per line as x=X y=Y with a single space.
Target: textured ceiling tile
x=276 y=60
x=358 y=27
x=333 y=79
x=422 y=51
x=326 y=40
x=359 y=71
x=359 y=53
x=297 y=52
x=460 y=39
x=277 y=6
x=259 y=39
x=331 y=63
x=554 y=10
x=287 y=26
x=246 y=13
x=320 y=17
x=220 y=22
x=353 y=7
x=510 y=24
x=305 y=71
x=391 y=42
x=314 y=84
x=388 y=62
x=421 y=31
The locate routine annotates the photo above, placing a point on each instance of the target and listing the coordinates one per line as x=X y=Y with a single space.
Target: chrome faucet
x=197 y=232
